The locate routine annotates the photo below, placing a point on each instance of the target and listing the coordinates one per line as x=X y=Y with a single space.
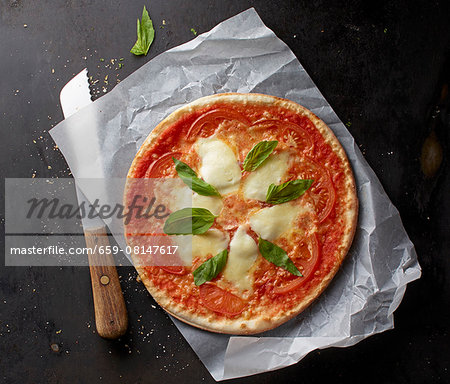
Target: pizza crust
x=262 y=322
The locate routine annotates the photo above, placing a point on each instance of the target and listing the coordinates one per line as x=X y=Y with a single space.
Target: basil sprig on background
x=189 y=221
x=189 y=177
x=258 y=154
x=145 y=35
x=278 y=194
x=210 y=268
x=277 y=256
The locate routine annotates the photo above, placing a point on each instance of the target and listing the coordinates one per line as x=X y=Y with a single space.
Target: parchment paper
x=242 y=55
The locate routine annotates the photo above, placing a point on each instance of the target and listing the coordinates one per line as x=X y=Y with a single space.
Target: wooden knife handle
x=111 y=318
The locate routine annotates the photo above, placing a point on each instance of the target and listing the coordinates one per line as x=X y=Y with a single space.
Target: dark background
x=380 y=65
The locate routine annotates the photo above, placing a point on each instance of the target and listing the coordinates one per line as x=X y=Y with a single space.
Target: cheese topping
x=270 y=223
x=180 y=195
x=212 y=203
x=270 y=172
x=210 y=243
x=242 y=255
x=219 y=165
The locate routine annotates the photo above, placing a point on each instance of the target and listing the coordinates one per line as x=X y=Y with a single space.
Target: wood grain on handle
x=111 y=318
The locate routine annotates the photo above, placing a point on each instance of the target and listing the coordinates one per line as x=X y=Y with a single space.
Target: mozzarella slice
x=184 y=251
x=219 y=165
x=270 y=223
x=210 y=243
x=242 y=256
x=180 y=195
x=212 y=203
x=270 y=172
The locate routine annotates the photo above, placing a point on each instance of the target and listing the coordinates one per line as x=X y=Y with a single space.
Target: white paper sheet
x=242 y=55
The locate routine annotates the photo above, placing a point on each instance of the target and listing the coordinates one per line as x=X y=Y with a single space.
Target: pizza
x=260 y=202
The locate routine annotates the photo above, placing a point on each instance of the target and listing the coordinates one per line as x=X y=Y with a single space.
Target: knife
x=111 y=318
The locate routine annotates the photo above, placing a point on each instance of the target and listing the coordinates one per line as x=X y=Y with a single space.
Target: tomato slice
x=306 y=262
x=207 y=123
x=322 y=190
x=289 y=133
x=324 y=197
x=176 y=270
x=160 y=166
x=221 y=301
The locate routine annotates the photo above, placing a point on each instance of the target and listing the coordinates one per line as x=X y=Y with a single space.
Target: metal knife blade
x=74 y=96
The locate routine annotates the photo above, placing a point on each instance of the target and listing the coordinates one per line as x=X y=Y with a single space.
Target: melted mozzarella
x=270 y=172
x=184 y=251
x=270 y=223
x=219 y=165
x=212 y=203
x=180 y=195
x=210 y=243
x=242 y=255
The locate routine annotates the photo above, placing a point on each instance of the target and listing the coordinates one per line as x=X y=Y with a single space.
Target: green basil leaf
x=183 y=169
x=277 y=256
x=189 y=177
x=210 y=268
x=278 y=194
x=189 y=221
x=258 y=154
x=145 y=35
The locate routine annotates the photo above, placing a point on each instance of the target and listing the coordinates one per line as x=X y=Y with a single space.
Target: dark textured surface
x=379 y=65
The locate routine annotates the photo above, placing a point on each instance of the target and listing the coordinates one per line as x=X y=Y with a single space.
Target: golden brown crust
x=261 y=323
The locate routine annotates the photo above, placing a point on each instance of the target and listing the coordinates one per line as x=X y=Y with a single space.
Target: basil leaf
x=189 y=221
x=258 y=154
x=278 y=194
x=145 y=35
x=210 y=268
x=277 y=256
x=189 y=177
x=183 y=169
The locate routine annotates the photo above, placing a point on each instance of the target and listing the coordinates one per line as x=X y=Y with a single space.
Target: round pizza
x=254 y=209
